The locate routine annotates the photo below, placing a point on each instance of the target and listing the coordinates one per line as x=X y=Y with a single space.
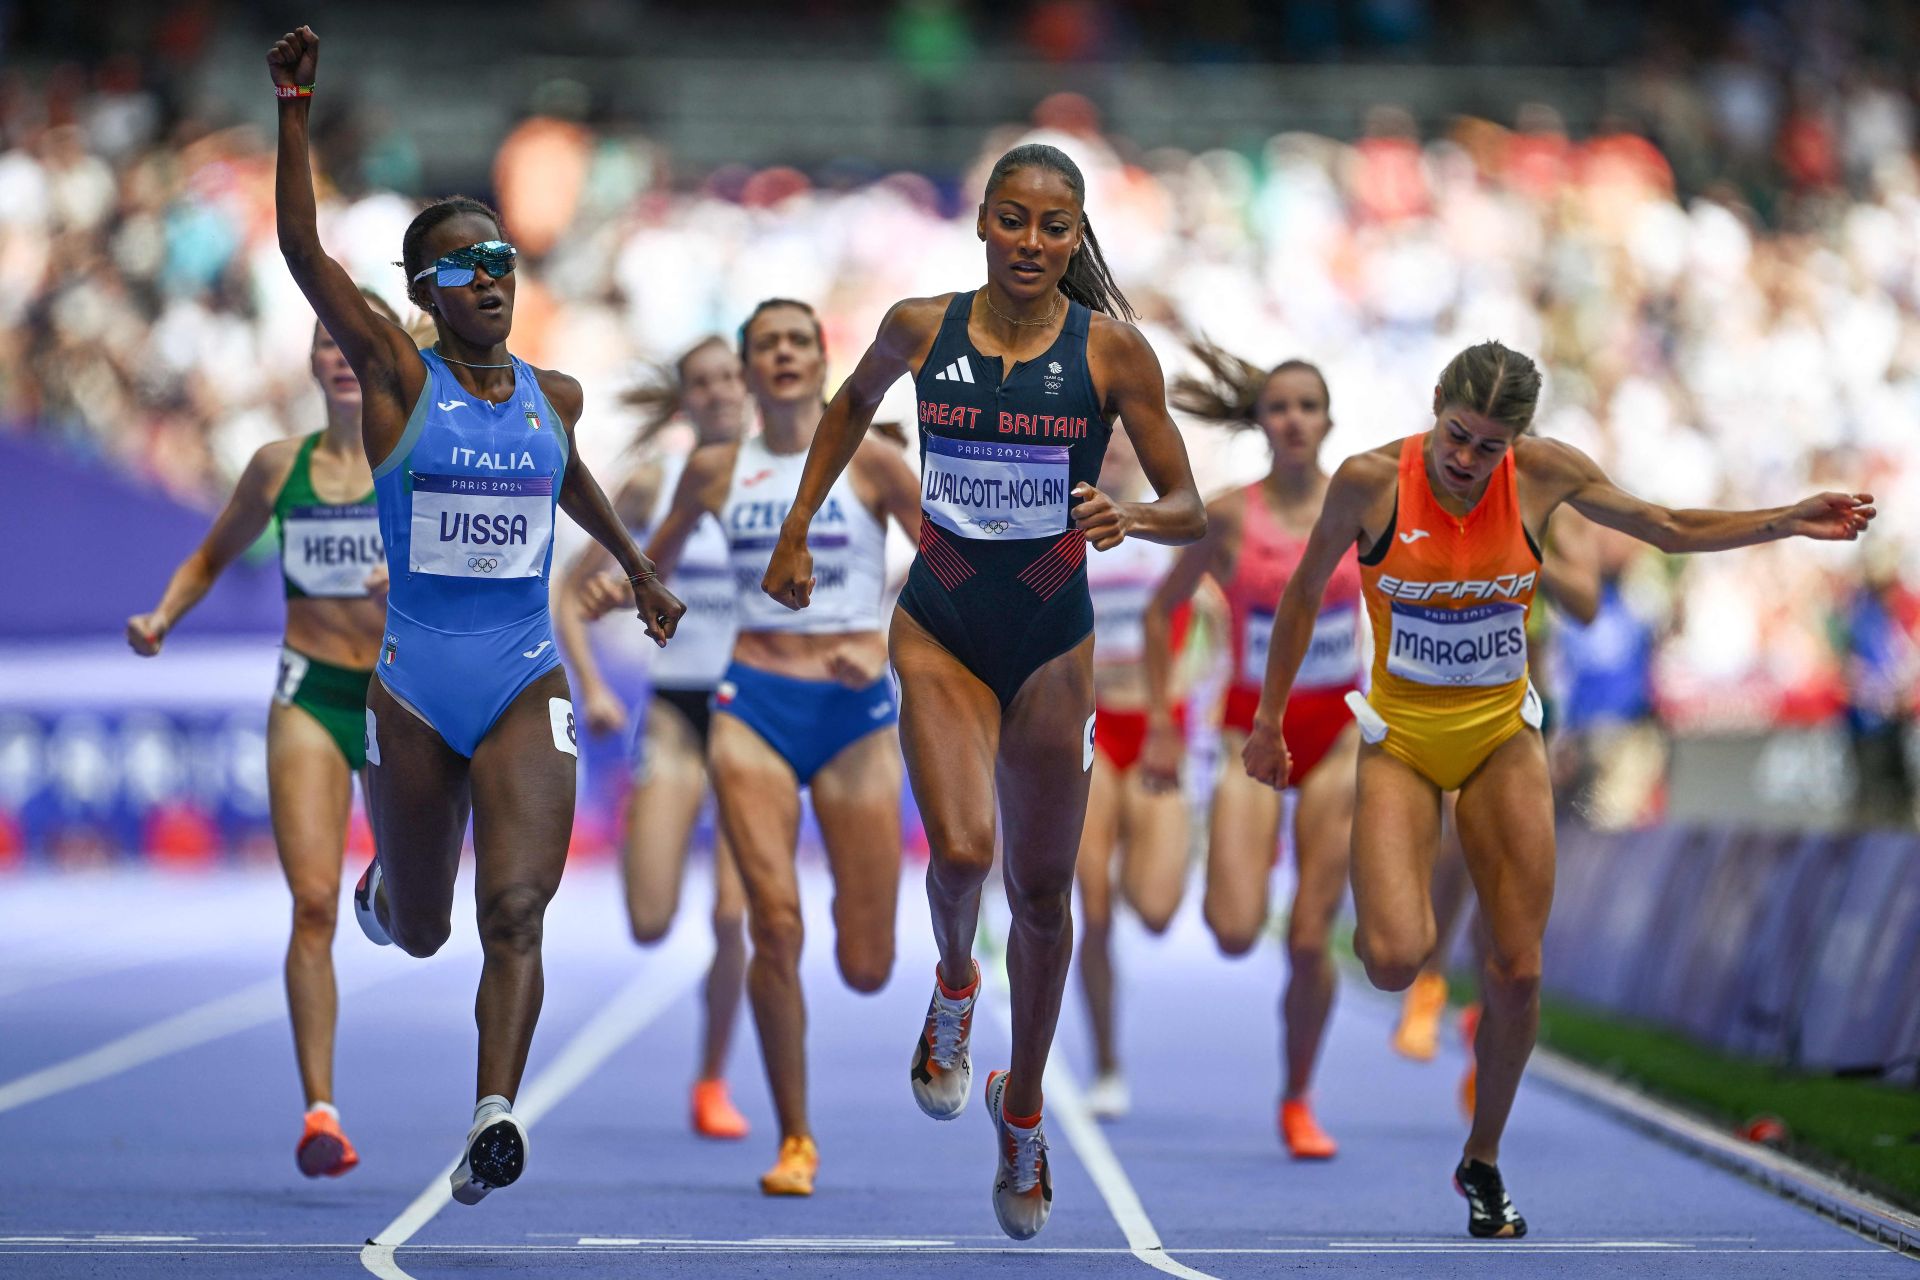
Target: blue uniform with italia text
x=466 y=511
x=1001 y=578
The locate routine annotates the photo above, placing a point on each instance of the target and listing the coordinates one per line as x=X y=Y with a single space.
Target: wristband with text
x=293 y=91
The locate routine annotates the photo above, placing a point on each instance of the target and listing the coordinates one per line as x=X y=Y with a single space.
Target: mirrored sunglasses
x=452 y=270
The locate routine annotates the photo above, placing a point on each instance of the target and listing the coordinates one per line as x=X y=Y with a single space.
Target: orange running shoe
x=1302 y=1133
x=324 y=1151
x=792 y=1174
x=714 y=1115
x=1418 y=1035
x=1470 y=1082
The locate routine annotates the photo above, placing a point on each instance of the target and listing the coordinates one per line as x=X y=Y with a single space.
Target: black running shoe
x=1490 y=1215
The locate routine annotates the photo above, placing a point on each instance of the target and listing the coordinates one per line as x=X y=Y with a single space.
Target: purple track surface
x=149 y=1107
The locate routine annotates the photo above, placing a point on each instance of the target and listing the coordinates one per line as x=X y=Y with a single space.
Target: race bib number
x=1333 y=655
x=1119 y=613
x=481 y=526
x=293 y=670
x=329 y=551
x=1481 y=646
x=984 y=489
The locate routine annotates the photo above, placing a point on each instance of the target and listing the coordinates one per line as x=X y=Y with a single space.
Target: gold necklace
x=1024 y=324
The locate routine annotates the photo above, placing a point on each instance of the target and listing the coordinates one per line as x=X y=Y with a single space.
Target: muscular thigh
x=856 y=799
x=1043 y=771
x=418 y=799
x=1505 y=814
x=523 y=790
x=758 y=800
x=311 y=793
x=950 y=727
x=1244 y=832
x=1396 y=836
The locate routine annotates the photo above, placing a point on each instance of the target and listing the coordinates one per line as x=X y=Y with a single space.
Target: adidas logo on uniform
x=958 y=371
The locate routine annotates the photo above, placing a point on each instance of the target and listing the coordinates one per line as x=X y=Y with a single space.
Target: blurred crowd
x=1705 y=346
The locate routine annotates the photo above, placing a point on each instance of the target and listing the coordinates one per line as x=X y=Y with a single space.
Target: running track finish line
x=637 y=1004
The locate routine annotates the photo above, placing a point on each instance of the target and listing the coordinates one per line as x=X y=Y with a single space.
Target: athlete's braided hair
x=413 y=243
x=662 y=395
x=1087 y=281
x=1494 y=381
x=1230 y=393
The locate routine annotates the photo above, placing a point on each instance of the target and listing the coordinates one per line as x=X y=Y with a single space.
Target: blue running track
x=149 y=1107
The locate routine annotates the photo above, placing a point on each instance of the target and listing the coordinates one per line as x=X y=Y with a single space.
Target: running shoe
x=714 y=1115
x=1108 y=1097
x=496 y=1153
x=1304 y=1137
x=1490 y=1215
x=1022 y=1184
x=792 y=1174
x=324 y=1151
x=1418 y=1035
x=942 y=1074
x=364 y=894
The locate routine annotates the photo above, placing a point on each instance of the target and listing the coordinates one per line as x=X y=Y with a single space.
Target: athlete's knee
x=315 y=912
x=960 y=851
x=1044 y=910
x=513 y=919
x=865 y=967
x=1308 y=958
x=729 y=927
x=778 y=934
x=1155 y=917
x=419 y=938
x=1513 y=980
x=1306 y=935
x=1234 y=933
x=649 y=921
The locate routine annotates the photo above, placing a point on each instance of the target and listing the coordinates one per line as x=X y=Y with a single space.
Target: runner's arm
x=886 y=469
x=905 y=335
x=1577 y=480
x=1156 y=622
x=235 y=529
x=1570 y=572
x=1333 y=536
x=1136 y=393
x=381 y=353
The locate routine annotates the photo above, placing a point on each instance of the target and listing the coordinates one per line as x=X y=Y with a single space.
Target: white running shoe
x=1108 y=1097
x=1022 y=1184
x=496 y=1152
x=363 y=897
x=942 y=1074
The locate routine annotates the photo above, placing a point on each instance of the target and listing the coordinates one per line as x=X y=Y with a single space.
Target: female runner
x=806 y=702
x=1144 y=829
x=670 y=762
x=1018 y=382
x=317 y=490
x=1446 y=520
x=1255 y=537
x=471 y=451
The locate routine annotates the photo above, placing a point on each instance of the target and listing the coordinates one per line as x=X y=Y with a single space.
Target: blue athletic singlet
x=466 y=511
x=1001 y=578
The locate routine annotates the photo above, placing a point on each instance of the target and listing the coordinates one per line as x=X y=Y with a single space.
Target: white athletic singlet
x=848 y=545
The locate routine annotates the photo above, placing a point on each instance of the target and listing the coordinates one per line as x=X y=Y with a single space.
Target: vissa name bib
x=481 y=526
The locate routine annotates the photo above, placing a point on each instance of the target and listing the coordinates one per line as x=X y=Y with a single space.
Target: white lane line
x=650 y=993
x=264 y=1001
x=1008 y=1250
x=1065 y=1104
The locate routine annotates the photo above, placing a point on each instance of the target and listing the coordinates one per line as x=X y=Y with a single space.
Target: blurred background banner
x=1704 y=222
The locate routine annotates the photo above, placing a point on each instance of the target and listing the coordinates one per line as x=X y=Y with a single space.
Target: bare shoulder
x=267 y=470
x=1368 y=473
x=1227 y=511
x=1109 y=338
x=709 y=472
x=635 y=501
x=911 y=323
x=563 y=393
x=1542 y=459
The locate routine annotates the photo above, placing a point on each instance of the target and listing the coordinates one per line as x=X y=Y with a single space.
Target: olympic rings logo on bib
x=483 y=564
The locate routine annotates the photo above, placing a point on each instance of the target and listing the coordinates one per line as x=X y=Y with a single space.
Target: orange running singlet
x=1448 y=598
